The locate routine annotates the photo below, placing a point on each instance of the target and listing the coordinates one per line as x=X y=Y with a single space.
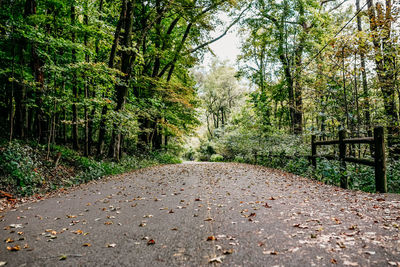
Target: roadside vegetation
x=27 y=168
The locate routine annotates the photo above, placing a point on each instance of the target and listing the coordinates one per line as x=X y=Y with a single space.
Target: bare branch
x=222 y=35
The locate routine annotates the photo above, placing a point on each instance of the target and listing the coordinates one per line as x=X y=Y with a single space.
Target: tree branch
x=222 y=35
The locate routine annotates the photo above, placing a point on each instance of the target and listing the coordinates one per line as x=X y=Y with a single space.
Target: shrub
x=217 y=158
x=166 y=158
x=239 y=159
x=20 y=167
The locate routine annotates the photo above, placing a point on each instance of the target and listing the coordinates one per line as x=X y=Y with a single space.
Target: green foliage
x=165 y=157
x=217 y=158
x=239 y=159
x=20 y=167
x=24 y=169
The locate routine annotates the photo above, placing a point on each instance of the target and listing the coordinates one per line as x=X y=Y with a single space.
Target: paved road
x=204 y=214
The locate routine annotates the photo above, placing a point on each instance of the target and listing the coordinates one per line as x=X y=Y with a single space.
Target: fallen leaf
x=63 y=257
x=270 y=252
x=340 y=244
x=333 y=261
x=208 y=219
x=217 y=259
x=267 y=206
x=78 y=232
x=2 y=263
x=353 y=227
x=9 y=240
x=108 y=223
x=211 y=238
x=151 y=242
x=228 y=251
x=111 y=245
x=14 y=248
x=349 y=263
x=87 y=245
x=298 y=225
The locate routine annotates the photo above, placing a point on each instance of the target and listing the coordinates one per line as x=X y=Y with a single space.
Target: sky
x=226 y=48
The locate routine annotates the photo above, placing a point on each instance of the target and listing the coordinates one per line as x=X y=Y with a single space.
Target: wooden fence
x=377 y=146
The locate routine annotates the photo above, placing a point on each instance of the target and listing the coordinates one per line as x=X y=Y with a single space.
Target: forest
x=91 y=88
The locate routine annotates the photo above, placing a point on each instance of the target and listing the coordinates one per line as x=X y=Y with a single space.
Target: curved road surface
x=204 y=214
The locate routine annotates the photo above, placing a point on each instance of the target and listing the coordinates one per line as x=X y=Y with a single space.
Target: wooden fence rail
x=377 y=146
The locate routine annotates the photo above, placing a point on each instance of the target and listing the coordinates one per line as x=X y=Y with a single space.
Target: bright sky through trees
x=228 y=47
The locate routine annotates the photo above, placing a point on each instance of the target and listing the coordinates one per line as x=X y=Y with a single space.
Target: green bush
x=166 y=158
x=20 y=168
x=25 y=170
x=216 y=158
x=239 y=159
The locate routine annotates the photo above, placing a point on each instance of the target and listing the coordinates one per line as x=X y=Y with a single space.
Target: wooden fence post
x=380 y=160
x=344 y=181
x=313 y=152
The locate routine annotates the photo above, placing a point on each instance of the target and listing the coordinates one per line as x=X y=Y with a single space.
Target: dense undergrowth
x=25 y=168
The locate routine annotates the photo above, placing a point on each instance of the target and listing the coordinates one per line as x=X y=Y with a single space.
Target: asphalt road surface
x=204 y=214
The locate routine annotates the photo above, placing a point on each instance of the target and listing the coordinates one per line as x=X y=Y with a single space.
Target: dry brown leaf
x=14 y=248
x=78 y=232
x=228 y=251
x=211 y=238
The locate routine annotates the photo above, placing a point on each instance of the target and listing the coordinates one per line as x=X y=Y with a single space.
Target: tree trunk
x=102 y=130
x=367 y=115
x=380 y=25
x=75 y=141
x=122 y=89
x=86 y=148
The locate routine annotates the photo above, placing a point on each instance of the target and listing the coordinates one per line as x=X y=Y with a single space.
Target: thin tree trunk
x=102 y=130
x=86 y=93
x=367 y=115
x=122 y=90
x=75 y=134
